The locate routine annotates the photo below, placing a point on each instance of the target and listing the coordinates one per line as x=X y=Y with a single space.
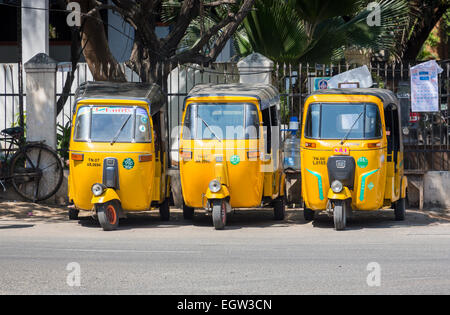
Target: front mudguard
x=108 y=195
x=343 y=195
x=223 y=193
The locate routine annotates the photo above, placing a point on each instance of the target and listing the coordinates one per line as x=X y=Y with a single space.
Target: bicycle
x=35 y=170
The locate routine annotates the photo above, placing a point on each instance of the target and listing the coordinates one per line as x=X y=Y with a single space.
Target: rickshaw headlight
x=337 y=186
x=98 y=190
x=215 y=186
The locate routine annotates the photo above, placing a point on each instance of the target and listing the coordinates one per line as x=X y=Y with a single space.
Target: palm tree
x=294 y=31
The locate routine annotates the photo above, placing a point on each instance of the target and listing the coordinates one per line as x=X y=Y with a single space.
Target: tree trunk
x=103 y=65
x=150 y=67
x=422 y=29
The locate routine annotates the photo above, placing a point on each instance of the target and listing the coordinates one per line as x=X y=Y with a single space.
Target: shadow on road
x=240 y=219
x=263 y=218
x=15 y=226
x=380 y=220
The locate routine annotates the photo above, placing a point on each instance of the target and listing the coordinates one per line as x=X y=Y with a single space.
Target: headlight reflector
x=337 y=186
x=215 y=186
x=98 y=190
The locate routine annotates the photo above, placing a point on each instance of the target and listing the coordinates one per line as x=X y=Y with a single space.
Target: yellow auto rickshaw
x=230 y=153
x=118 y=151
x=352 y=153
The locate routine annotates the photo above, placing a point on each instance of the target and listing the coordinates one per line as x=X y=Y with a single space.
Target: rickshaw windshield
x=221 y=121
x=122 y=124
x=340 y=120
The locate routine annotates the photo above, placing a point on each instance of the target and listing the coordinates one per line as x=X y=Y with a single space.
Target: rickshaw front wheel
x=400 y=209
x=340 y=214
x=219 y=214
x=108 y=215
x=164 y=210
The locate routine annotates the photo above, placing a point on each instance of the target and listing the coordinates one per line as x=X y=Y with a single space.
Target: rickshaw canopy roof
x=267 y=94
x=386 y=96
x=150 y=93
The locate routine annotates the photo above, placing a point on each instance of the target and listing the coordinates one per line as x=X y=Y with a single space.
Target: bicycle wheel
x=36 y=172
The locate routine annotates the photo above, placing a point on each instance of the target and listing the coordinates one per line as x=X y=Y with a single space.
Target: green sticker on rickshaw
x=128 y=164
x=362 y=162
x=371 y=186
x=235 y=160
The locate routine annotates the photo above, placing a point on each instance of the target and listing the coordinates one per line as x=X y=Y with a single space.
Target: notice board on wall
x=424 y=87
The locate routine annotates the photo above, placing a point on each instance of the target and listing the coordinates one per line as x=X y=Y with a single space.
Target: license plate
x=341 y=151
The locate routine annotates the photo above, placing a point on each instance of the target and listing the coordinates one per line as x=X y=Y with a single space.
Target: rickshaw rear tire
x=164 y=210
x=108 y=215
x=340 y=215
x=219 y=214
x=308 y=214
x=188 y=213
x=279 y=209
x=73 y=214
x=400 y=210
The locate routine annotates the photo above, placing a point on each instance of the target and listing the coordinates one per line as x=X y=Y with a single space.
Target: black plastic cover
x=342 y=168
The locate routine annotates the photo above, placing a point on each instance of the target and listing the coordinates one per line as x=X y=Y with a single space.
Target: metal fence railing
x=427 y=146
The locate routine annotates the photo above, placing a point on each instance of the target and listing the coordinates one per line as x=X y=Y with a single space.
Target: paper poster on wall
x=424 y=87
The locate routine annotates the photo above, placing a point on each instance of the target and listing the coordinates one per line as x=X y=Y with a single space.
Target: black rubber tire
x=340 y=215
x=108 y=215
x=219 y=214
x=21 y=182
x=279 y=209
x=188 y=212
x=73 y=214
x=164 y=210
x=308 y=214
x=400 y=210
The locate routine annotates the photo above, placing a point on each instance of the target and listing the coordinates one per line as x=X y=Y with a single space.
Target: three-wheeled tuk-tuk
x=230 y=153
x=352 y=153
x=118 y=151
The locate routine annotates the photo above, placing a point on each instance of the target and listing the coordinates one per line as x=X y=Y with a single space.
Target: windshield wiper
x=348 y=133
x=207 y=126
x=120 y=130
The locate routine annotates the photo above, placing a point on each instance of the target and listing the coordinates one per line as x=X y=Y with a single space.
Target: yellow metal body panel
x=343 y=195
x=247 y=181
x=139 y=186
x=222 y=194
x=375 y=181
x=107 y=196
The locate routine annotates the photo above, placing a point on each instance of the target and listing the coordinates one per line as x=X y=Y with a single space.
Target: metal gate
x=427 y=144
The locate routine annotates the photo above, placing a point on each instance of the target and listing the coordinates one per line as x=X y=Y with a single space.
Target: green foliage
x=318 y=31
x=63 y=139
x=16 y=122
x=434 y=40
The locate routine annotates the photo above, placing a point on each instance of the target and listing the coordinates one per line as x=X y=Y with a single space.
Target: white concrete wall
x=436 y=190
x=35 y=28
x=9 y=106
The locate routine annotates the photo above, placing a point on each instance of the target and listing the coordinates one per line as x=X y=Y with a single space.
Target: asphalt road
x=254 y=255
